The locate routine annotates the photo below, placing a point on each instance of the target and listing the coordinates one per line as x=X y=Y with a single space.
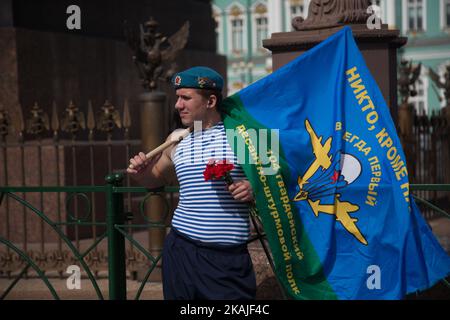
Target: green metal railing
x=56 y=227
x=431 y=187
x=436 y=209
x=117 y=232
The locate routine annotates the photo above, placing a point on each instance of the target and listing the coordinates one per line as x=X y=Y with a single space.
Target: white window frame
x=443 y=15
x=237 y=35
x=405 y=17
x=230 y=29
x=287 y=10
x=257 y=47
x=217 y=15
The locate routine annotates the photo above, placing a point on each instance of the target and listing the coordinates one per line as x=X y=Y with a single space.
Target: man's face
x=191 y=106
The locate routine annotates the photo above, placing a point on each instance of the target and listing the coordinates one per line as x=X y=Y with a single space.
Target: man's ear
x=212 y=101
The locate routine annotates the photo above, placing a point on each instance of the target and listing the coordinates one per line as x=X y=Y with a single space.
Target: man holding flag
x=205 y=254
x=330 y=179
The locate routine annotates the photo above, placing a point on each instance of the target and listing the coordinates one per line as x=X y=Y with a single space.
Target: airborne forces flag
x=318 y=144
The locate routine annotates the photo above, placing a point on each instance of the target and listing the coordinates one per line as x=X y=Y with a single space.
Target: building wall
x=237 y=36
x=42 y=61
x=430 y=46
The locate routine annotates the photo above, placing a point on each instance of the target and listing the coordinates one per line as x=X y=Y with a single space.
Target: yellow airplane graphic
x=341 y=210
x=322 y=160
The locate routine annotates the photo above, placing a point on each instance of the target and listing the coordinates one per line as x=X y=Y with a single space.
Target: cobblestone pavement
x=35 y=289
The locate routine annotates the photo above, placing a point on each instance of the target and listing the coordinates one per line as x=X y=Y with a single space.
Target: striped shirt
x=206 y=210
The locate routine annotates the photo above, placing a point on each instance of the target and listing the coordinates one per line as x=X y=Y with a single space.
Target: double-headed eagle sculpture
x=153 y=53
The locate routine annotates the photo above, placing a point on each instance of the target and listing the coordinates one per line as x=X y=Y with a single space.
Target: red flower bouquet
x=221 y=169
x=217 y=170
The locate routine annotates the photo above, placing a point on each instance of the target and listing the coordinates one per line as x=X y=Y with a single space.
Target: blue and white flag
x=334 y=197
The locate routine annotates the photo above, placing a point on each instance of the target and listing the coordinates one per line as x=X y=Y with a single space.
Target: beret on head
x=198 y=78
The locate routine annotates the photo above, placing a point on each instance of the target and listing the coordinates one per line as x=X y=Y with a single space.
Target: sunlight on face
x=191 y=106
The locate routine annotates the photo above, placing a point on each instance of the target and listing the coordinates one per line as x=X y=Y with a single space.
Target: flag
x=317 y=142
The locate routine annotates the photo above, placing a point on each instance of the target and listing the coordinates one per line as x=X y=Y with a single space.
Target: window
x=237 y=25
x=260 y=27
x=261 y=31
x=447 y=13
x=237 y=39
x=444 y=15
x=296 y=8
x=415 y=15
x=375 y=2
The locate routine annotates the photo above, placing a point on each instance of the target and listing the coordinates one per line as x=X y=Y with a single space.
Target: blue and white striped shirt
x=206 y=210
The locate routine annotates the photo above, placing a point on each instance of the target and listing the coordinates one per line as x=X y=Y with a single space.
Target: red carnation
x=209 y=172
x=218 y=169
x=221 y=169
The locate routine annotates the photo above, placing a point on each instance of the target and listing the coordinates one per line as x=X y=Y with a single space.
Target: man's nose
x=179 y=104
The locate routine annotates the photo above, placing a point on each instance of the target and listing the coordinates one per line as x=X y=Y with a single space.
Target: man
x=205 y=254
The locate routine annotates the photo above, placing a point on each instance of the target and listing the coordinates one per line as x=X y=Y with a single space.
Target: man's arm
x=154 y=172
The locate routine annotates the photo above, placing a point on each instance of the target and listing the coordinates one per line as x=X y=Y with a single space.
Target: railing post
x=116 y=241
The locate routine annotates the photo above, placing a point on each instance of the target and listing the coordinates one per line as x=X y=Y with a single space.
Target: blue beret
x=198 y=78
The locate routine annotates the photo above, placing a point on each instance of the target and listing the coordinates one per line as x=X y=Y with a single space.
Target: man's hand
x=241 y=190
x=140 y=162
x=156 y=171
